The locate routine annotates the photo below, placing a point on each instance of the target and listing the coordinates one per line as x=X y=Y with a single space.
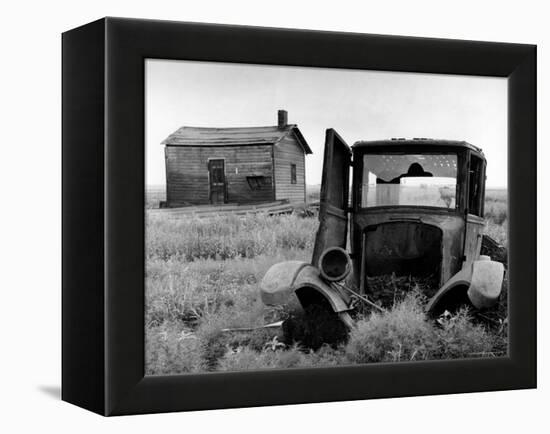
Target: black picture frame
x=103 y=215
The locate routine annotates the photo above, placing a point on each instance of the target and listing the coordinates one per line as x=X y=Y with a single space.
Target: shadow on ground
x=51 y=391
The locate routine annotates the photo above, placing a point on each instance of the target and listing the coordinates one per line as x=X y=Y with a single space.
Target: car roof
x=402 y=142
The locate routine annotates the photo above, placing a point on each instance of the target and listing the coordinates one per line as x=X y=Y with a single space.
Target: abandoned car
x=416 y=213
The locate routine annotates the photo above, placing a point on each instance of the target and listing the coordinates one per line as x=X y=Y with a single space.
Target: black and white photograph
x=301 y=217
x=275 y=217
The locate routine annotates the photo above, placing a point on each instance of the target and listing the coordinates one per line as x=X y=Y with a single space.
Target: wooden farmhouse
x=235 y=165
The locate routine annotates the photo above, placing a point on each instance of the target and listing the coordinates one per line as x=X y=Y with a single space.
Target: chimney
x=282 y=119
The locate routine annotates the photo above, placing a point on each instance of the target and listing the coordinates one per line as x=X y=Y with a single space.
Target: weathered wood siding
x=288 y=152
x=187 y=179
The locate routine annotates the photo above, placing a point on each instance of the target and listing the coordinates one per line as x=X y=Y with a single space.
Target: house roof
x=199 y=136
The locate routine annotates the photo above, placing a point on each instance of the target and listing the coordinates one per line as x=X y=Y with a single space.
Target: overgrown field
x=496 y=214
x=202 y=276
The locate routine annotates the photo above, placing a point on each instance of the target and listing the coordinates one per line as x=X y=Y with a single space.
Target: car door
x=334 y=200
x=474 y=220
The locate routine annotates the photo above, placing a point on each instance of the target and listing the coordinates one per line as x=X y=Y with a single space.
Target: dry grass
x=154 y=195
x=189 y=303
x=496 y=214
x=401 y=334
x=226 y=237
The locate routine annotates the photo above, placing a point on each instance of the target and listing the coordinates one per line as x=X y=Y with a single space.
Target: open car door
x=333 y=210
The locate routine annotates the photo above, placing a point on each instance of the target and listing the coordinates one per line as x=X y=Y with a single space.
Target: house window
x=257 y=182
x=293 y=173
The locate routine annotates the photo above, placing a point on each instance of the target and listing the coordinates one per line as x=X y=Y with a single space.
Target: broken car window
x=409 y=179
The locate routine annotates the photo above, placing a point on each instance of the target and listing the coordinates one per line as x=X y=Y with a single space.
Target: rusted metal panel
x=309 y=277
x=277 y=286
x=450 y=224
x=434 y=143
x=473 y=237
x=334 y=202
x=460 y=281
x=486 y=283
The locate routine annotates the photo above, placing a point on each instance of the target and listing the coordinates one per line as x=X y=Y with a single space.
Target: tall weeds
x=226 y=237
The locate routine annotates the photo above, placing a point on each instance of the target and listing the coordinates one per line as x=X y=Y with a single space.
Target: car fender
x=309 y=279
x=277 y=285
x=479 y=282
x=285 y=279
x=486 y=283
x=458 y=283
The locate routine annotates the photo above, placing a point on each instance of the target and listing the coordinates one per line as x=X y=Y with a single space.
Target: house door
x=216 y=170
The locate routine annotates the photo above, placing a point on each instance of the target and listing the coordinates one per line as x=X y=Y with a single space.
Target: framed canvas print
x=258 y=216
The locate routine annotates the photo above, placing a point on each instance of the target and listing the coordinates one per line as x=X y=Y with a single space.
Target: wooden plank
x=208 y=211
x=224 y=207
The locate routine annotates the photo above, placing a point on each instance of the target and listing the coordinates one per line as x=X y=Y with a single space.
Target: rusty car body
x=416 y=209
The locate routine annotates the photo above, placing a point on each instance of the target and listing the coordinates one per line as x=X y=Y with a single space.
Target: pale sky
x=358 y=104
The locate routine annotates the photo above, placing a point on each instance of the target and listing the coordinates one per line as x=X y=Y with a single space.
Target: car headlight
x=334 y=264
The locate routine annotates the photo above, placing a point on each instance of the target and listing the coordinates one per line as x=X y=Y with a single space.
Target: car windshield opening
x=409 y=180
